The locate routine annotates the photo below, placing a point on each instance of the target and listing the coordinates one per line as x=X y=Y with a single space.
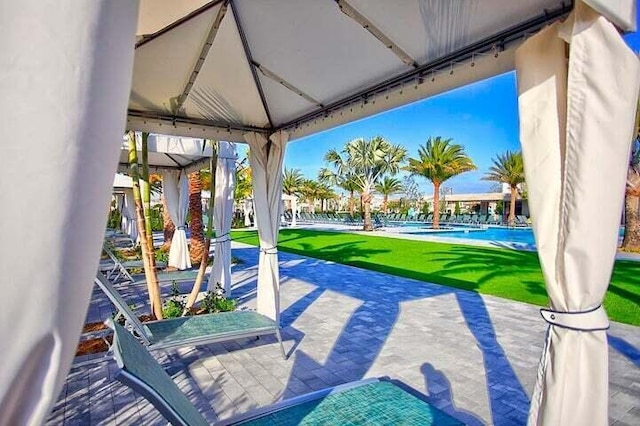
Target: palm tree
x=292 y=181
x=631 y=240
x=439 y=160
x=310 y=190
x=195 y=211
x=508 y=168
x=325 y=193
x=388 y=186
x=369 y=160
x=342 y=177
x=243 y=188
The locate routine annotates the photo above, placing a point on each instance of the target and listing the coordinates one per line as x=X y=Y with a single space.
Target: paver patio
x=474 y=356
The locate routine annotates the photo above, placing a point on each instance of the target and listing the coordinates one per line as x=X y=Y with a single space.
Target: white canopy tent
x=175 y=157
x=122 y=191
x=222 y=69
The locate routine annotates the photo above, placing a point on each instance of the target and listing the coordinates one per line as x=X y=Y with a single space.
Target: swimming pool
x=507 y=235
x=521 y=236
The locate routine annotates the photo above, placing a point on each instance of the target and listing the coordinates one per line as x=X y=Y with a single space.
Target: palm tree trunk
x=366 y=200
x=145 y=188
x=195 y=211
x=147 y=252
x=631 y=240
x=436 y=205
x=352 y=206
x=384 y=203
x=193 y=295
x=168 y=227
x=512 y=207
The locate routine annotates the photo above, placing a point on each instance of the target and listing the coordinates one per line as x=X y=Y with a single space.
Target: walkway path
x=474 y=356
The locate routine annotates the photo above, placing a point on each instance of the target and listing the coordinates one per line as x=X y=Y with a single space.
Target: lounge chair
x=521 y=220
x=371 y=401
x=122 y=267
x=192 y=330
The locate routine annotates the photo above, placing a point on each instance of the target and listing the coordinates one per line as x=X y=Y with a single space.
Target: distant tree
x=439 y=160
x=499 y=207
x=243 y=188
x=341 y=176
x=456 y=208
x=508 y=168
x=411 y=190
x=292 y=181
x=363 y=163
x=388 y=186
x=325 y=193
x=310 y=190
x=370 y=160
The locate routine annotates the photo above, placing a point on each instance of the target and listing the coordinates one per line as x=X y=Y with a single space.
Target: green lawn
x=505 y=273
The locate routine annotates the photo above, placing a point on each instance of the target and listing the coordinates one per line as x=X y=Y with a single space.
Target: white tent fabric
x=250 y=66
x=129 y=213
x=223 y=214
x=247 y=207
x=576 y=123
x=66 y=64
x=119 y=200
x=169 y=153
x=175 y=188
x=266 y=157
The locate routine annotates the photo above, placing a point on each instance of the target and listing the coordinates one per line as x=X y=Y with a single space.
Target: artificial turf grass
x=506 y=273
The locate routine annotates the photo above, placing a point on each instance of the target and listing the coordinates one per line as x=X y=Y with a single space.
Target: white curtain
x=223 y=213
x=294 y=211
x=176 y=193
x=65 y=80
x=121 y=209
x=266 y=159
x=576 y=126
x=129 y=215
x=246 y=207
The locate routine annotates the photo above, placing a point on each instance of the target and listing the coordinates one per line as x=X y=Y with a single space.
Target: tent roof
x=122 y=181
x=220 y=68
x=170 y=153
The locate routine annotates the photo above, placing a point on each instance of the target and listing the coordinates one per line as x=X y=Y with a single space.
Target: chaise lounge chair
x=123 y=267
x=192 y=330
x=372 y=401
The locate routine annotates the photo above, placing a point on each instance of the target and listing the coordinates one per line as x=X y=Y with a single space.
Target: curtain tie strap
x=270 y=250
x=590 y=320
x=223 y=238
x=180 y=228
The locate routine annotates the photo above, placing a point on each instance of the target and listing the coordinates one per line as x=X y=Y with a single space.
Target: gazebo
x=266 y=73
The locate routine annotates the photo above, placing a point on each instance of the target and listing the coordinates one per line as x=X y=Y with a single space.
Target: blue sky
x=483 y=117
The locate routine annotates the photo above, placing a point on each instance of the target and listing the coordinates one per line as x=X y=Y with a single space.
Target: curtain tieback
x=180 y=228
x=270 y=250
x=590 y=320
x=223 y=238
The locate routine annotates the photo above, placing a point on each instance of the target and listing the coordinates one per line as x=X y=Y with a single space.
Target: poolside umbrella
x=576 y=121
x=175 y=187
x=266 y=157
x=223 y=213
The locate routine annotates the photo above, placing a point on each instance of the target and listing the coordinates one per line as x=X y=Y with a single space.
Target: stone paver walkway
x=473 y=356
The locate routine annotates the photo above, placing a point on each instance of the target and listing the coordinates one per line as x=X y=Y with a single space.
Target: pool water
x=514 y=235
x=521 y=236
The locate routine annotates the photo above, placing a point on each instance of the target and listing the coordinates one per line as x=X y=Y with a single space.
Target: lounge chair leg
x=284 y=355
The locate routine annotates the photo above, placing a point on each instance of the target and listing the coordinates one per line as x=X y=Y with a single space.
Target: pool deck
x=473 y=356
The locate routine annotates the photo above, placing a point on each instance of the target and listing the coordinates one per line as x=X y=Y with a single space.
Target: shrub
x=215 y=301
x=174 y=305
